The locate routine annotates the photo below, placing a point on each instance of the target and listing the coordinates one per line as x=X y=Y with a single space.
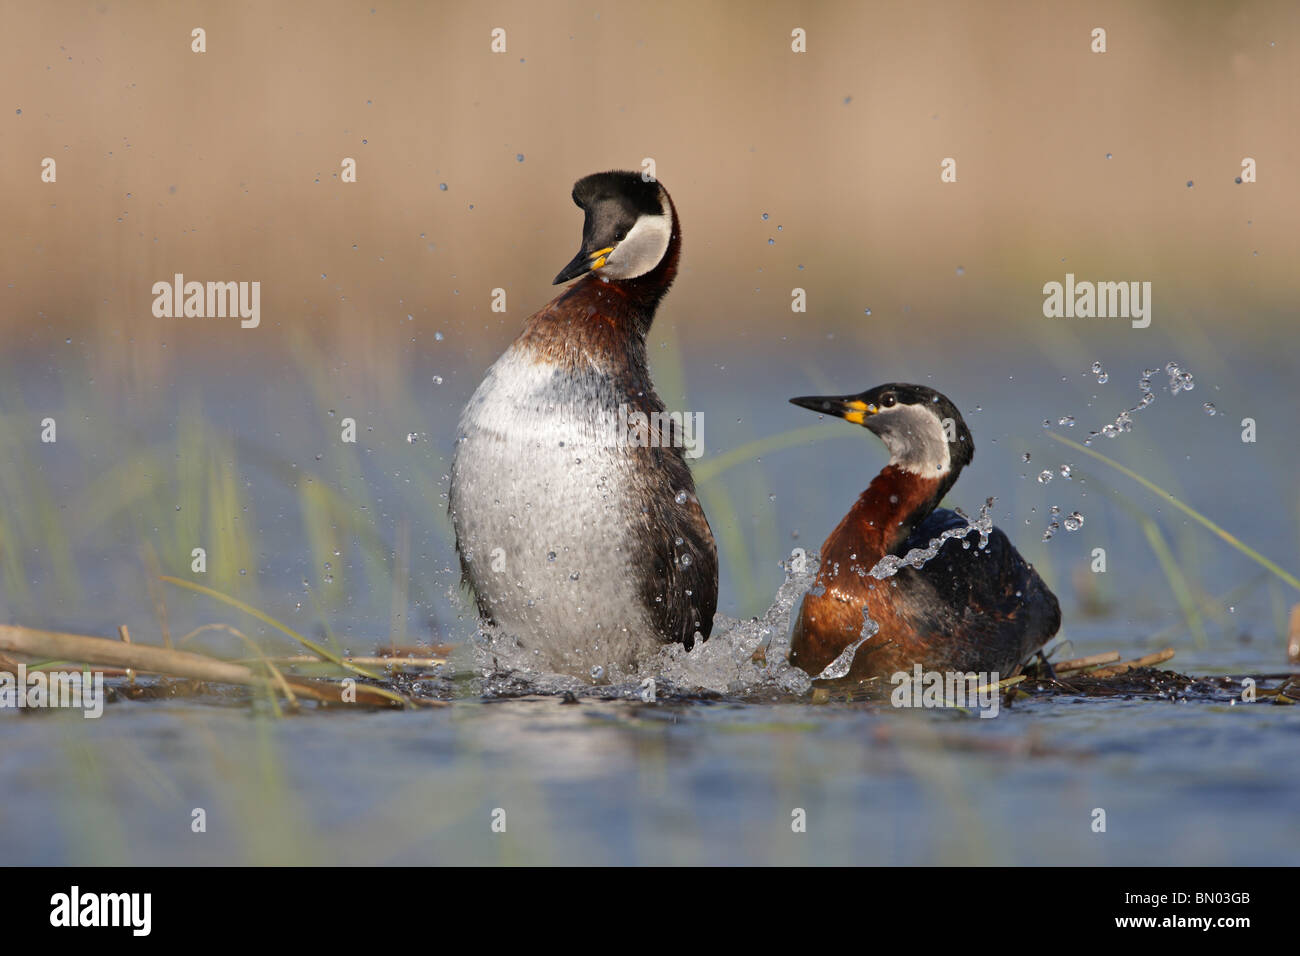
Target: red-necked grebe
x=968 y=608
x=583 y=541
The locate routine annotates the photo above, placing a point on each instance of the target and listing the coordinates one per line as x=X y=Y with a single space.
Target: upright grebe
x=580 y=534
x=968 y=608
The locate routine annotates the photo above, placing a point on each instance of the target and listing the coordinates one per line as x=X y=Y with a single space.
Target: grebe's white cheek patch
x=915 y=438
x=641 y=250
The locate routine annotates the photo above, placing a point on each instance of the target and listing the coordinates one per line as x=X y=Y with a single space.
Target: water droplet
x=1044 y=476
x=519 y=157
x=685 y=560
x=597 y=672
x=1065 y=472
x=442 y=186
x=550 y=555
x=412 y=438
x=1190 y=184
x=1210 y=409
x=681 y=498
x=1025 y=457
x=437 y=380
x=1067 y=420
x=765 y=217
x=1108 y=155
x=1074 y=522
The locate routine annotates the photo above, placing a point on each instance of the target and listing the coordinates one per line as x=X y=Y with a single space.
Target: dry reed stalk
x=1150 y=660
x=1079 y=663
x=185 y=664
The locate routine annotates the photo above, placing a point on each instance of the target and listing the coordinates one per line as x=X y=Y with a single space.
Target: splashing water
x=744 y=657
x=741 y=658
x=840 y=666
x=1180 y=380
x=1053 y=523
x=891 y=564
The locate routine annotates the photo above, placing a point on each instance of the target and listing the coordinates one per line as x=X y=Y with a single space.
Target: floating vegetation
x=414 y=677
x=1102 y=676
x=188 y=674
x=1152 y=684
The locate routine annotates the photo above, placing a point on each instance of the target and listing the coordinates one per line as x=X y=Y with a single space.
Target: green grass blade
x=1177 y=582
x=1245 y=549
x=267 y=619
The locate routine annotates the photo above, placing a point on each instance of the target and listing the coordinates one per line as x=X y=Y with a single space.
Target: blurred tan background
x=225 y=165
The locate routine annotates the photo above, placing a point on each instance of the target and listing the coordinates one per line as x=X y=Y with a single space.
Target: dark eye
x=620 y=235
x=887 y=400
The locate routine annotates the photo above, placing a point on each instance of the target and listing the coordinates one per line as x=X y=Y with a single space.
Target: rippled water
x=678 y=781
x=709 y=761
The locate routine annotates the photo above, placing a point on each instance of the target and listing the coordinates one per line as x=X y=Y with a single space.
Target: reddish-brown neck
x=610 y=319
x=882 y=518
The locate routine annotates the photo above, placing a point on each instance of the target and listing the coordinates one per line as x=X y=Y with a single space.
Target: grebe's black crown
x=890 y=412
x=628 y=223
x=622 y=188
